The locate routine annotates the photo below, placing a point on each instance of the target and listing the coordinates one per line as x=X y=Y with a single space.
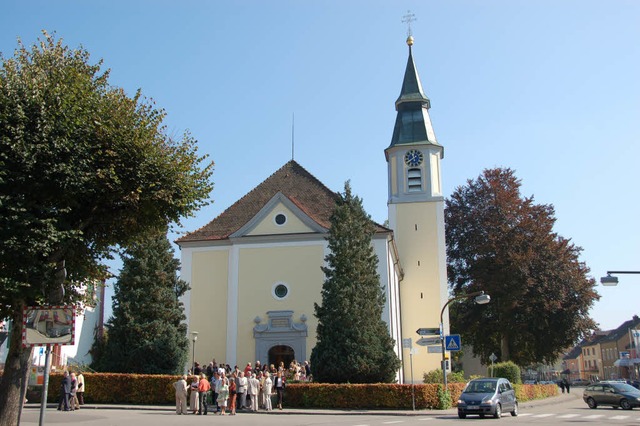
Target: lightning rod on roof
x=293 y=124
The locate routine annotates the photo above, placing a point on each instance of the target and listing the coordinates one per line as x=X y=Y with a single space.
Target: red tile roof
x=294 y=182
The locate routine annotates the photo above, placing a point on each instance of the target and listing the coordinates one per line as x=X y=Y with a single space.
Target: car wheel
x=625 y=404
x=462 y=415
x=498 y=413
x=514 y=413
x=592 y=403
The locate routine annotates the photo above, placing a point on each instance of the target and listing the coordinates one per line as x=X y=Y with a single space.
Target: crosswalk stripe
x=426 y=418
x=620 y=417
x=568 y=416
x=542 y=415
x=594 y=416
x=525 y=414
x=393 y=422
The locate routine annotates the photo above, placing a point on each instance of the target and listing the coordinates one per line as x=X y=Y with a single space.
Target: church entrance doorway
x=281 y=353
x=280 y=338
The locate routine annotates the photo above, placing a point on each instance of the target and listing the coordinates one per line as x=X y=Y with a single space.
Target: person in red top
x=248 y=369
x=203 y=389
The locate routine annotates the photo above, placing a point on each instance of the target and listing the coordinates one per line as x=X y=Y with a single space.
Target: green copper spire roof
x=413 y=124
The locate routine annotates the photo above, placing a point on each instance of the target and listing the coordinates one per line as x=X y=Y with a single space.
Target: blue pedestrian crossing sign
x=452 y=342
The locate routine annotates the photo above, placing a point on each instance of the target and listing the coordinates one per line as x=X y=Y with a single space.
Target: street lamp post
x=481 y=299
x=610 y=280
x=194 y=337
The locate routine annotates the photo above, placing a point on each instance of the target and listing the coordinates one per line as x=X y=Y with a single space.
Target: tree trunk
x=13 y=384
x=504 y=348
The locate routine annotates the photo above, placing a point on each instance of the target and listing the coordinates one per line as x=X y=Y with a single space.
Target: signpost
x=428 y=331
x=428 y=341
x=406 y=343
x=493 y=358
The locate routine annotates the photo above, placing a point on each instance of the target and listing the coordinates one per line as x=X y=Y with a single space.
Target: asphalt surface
x=559 y=399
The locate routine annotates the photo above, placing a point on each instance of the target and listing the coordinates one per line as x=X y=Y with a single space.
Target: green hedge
x=114 y=388
x=147 y=389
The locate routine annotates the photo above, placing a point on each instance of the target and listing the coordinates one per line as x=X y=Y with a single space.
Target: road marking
x=594 y=416
x=426 y=418
x=619 y=417
x=524 y=414
x=542 y=415
x=568 y=416
x=393 y=422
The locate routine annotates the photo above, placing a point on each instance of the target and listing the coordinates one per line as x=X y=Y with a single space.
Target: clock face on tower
x=413 y=158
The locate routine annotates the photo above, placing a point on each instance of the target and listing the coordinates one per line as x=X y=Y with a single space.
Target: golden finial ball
x=410 y=41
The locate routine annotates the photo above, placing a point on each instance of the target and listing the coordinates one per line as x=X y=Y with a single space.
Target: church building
x=255 y=270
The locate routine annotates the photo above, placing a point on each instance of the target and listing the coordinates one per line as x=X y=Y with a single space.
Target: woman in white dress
x=222 y=388
x=193 y=400
x=268 y=384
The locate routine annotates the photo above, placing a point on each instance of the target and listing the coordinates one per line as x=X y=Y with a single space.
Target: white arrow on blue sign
x=452 y=342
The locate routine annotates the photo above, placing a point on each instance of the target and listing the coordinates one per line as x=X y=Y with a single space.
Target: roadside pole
x=45 y=385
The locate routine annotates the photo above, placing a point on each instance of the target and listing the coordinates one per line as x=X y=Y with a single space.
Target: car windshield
x=623 y=387
x=481 y=387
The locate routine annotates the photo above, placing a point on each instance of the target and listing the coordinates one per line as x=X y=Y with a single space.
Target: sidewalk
x=559 y=399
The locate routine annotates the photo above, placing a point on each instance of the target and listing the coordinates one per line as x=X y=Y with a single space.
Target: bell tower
x=416 y=215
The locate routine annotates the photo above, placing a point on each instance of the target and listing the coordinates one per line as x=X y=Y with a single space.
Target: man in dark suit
x=65 y=391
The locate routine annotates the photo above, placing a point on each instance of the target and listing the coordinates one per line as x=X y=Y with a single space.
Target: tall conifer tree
x=353 y=342
x=147 y=333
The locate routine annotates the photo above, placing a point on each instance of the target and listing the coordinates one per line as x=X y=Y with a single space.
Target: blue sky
x=549 y=88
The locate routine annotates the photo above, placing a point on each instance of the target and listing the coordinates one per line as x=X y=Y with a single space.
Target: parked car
x=612 y=394
x=488 y=396
x=581 y=382
x=634 y=383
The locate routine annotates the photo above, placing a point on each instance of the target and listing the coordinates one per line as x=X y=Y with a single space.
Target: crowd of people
x=223 y=390
x=216 y=388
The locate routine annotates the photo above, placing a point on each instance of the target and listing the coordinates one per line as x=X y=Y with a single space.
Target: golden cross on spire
x=409 y=18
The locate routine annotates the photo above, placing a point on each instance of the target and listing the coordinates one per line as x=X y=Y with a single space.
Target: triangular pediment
x=279 y=216
x=292 y=186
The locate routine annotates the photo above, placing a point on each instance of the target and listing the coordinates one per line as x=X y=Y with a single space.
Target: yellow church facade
x=255 y=270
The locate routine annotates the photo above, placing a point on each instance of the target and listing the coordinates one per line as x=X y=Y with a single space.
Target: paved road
x=564 y=409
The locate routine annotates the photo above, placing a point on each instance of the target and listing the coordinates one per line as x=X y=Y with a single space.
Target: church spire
x=413 y=124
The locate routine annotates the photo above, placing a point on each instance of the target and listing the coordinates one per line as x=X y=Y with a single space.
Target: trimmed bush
x=508 y=370
x=435 y=376
x=116 y=388
x=148 y=389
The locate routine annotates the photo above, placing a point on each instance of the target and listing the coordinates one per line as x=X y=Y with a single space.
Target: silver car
x=615 y=394
x=488 y=396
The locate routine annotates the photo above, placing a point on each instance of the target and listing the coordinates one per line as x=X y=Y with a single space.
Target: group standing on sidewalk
x=224 y=393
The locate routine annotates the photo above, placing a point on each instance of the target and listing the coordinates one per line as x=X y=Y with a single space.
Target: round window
x=280 y=291
x=280 y=219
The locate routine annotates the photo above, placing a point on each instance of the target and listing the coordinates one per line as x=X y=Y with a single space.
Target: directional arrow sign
x=427 y=341
x=428 y=331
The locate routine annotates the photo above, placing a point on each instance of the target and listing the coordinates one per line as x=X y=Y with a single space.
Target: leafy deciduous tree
x=504 y=244
x=83 y=168
x=353 y=342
